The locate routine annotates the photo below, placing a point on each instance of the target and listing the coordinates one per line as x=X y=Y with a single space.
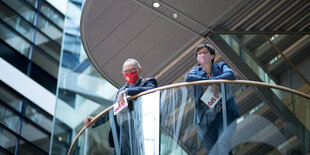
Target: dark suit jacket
x=141 y=85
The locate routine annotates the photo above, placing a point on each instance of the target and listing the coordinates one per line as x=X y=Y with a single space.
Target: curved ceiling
x=113 y=31
x=162 y=39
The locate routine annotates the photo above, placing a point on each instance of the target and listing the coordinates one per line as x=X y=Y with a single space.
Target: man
x=210 y=120
x=135 y=85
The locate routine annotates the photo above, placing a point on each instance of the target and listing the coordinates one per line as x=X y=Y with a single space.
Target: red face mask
x=131 y=77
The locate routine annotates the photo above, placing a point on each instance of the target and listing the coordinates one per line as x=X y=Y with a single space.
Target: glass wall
x=80 y=91
x=30 y=41
x=24 y=127
x=221 y=118
x=34 y=34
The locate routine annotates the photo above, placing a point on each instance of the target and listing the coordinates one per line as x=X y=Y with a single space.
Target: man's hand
x=120 y=96
x=87 y=120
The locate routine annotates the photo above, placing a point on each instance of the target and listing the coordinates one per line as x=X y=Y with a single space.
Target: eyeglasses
x=202 y=45
x=202 y=53
x=130 y=70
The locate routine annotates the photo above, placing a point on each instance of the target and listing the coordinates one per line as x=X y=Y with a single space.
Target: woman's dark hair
x=206 y=45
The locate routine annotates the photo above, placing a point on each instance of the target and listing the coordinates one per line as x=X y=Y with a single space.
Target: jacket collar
x=214 y=70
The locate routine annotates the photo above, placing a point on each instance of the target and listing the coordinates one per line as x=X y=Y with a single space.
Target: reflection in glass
x=32 y=2
x=134 y=130
x=26 y=148
x=98 y=140
x=49 y=29
x=9 y=119
x=62 y=132
x=50 y=47
x=79 y=92
x=16 y=22
x=37 y=115
x=301 y=108
x=52 y=14
x=8 y=140
x=22 y=9
x=10 y=98
x=47 y=63
x=258 y=130
x=35 y=136
x=246 y=56
x=14 y=40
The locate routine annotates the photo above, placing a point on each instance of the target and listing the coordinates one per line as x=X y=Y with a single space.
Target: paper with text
x=209 y=98
x=120 y=104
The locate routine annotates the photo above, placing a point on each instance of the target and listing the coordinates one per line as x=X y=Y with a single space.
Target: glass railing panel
x=300 y=106
x=265 y=130
x=178 y=132
x=258 y=129
x=134 y=130
x=178 y=121
x=97 y=137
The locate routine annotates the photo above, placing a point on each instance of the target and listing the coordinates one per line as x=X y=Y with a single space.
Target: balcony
x=273 y=120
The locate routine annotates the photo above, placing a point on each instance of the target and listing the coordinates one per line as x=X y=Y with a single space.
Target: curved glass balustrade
x=163 y=121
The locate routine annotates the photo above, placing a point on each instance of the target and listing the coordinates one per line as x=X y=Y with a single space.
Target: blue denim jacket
x=218 y=71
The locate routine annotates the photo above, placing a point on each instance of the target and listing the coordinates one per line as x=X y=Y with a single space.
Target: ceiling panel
x=108 y=21
x=126 y=30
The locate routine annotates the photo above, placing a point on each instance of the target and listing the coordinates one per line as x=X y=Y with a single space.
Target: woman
x=210 y=120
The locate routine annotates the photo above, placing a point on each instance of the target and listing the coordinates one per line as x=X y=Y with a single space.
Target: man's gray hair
x=130 y=60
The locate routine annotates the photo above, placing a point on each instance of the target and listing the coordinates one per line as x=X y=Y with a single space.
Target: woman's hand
x=215 y=90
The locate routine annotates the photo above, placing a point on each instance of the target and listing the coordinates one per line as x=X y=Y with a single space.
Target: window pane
x=62 y=132
x=8 y=140
x=10 y=98
x=36 y=115
x=28 y=149
x=14 y=40
x=49 y=29
x=35 y=136
x=16 y=22
x=32 y=2
x=45 y=62
x=9 y=119
x=52 y=14
x=50 y=47
x=22 y=9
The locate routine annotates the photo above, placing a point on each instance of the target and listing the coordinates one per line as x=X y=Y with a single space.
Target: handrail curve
x=187 y=84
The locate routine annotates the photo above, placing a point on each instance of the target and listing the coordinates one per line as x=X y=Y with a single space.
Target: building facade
x=31 y=37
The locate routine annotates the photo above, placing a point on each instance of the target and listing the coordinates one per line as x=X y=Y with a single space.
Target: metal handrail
x=187 y=84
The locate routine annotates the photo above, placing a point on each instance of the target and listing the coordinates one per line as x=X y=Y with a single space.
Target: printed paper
x=209 y=98
x=120 y=104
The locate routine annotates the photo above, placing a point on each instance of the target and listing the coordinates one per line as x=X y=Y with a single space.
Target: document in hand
x=209 y=98
x=120 y=104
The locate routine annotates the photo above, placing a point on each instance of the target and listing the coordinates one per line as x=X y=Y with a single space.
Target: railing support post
x=224 y=110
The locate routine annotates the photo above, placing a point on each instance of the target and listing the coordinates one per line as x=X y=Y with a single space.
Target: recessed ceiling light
x=174 y=15
x=156 y=5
